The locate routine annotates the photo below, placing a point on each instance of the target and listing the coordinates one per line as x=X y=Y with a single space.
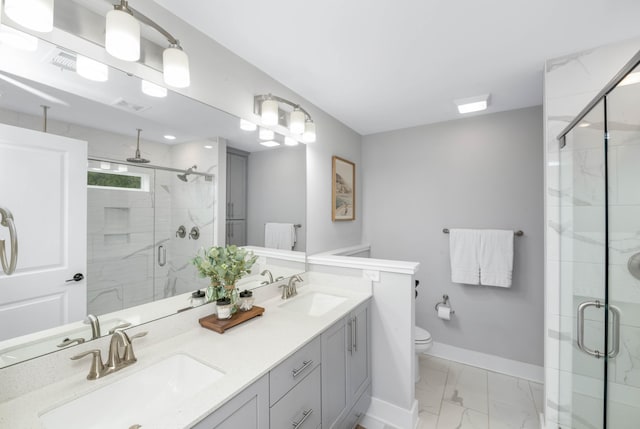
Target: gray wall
x=479 y=172
x=276 y=192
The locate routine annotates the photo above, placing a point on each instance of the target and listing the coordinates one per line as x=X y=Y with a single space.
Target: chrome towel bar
x=518 y=233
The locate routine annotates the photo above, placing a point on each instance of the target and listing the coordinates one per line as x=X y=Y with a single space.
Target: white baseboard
x=383 y=415
x=493 y=363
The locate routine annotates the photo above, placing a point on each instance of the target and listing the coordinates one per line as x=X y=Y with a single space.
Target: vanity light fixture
x=91 y=69
x=247 y=125
x=153 y=90
x=270 y=143
x=274 y=110
x=36 y=15
x=472 y=104
x=266 y=134
x=122 y=34
x=122 y=40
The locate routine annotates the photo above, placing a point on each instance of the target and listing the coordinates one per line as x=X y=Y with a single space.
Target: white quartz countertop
x=244 y=354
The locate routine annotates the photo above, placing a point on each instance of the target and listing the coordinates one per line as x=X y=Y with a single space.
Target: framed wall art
x=343 y=189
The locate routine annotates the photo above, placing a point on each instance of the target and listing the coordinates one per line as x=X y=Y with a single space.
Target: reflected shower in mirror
x=136 y=263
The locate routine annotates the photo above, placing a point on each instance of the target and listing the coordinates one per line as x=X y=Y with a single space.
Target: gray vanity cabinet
x=247 y=410
x=346 y=370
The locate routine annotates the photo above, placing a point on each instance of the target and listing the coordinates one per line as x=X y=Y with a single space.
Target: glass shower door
x=623 y=363
x=583 y=257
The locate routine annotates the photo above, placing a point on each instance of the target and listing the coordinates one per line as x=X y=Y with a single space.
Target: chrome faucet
x=116 y=360
x=289 y=289
x=95 y=326
x=267 y=282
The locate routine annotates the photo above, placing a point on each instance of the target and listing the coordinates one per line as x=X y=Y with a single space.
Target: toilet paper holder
x=445 y=302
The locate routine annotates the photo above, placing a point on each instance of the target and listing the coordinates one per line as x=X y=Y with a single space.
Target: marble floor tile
x=509 y=416
x=429 y=390
x=427 y=420
x=434 y=363
x=537 y=391
x=456 y=417
x=467 y=387
x=510 y=390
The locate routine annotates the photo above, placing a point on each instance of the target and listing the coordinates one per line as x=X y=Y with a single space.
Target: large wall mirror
x=207 y=182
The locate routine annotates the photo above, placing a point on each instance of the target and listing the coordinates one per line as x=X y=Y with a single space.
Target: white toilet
x=422 y=341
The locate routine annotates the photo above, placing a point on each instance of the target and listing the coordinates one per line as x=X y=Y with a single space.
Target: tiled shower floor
x=456 y=396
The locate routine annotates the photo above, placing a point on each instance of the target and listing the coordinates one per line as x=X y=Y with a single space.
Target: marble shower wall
x=575 y=216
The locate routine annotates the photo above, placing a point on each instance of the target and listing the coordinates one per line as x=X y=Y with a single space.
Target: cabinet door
x=300 y=408
x=237 y=232
x=247 y=410
x=334 y=375
x=359 y=356
x=236 y=186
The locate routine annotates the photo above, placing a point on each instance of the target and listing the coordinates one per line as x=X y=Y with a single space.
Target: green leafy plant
x=224 y=266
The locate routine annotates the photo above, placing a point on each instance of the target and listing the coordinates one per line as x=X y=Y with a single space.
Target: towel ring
x=7 y=220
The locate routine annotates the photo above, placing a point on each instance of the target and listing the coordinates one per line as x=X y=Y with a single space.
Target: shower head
x=184 y=175
x=138 y=159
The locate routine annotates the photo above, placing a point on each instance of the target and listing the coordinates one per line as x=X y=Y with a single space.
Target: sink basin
x=313 y=304
x=142 y=398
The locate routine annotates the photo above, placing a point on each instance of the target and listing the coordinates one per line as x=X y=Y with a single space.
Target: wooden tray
x=220 y=325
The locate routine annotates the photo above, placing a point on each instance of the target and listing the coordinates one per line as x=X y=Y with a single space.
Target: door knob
x=76 y=278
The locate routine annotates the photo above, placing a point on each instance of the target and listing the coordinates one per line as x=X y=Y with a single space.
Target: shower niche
x=134 y=254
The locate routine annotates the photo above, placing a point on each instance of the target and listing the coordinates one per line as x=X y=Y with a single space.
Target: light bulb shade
x=17 y=39
x=266 y=134
x=309 y=135
x=175 y=64
x=290 y=141
x=269 y=113
x=247 y=125
x=91 y=69
x=122 y=35
x=153 y=90
x=296 y=121
x=36 y=15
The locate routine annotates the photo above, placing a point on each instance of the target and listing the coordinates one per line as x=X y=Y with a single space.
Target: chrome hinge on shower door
x=615 y=323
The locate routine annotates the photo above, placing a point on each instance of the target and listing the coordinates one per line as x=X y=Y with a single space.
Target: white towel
x=279 y=235
x=496 y=257
x=463 y=253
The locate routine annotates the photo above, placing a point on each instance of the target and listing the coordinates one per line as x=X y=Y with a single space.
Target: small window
x=110 y=180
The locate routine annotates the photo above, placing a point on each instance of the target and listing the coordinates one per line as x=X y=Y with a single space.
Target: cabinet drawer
x=300 y=408
x=293 y=370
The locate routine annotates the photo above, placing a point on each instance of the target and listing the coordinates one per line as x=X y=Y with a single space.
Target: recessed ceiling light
x=290 y=141
x=266 y=134
x=247 y=125
x=630 y=79
x=270 y=143
x=153 y=90
x=169 y=137
x=472 y=104
x=122 y=168
x=208 y=146
x=584 y=124
x=105 y=166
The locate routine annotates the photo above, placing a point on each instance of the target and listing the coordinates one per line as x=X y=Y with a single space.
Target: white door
x=43 y=183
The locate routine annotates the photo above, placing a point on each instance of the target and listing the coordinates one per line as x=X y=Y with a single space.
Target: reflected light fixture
x=122 y=35
x=630 y=79
x=153 y=90
x=266 y=134
x=175 y=66
x=270 y=143
x=17 y=39
x=292 y=116
x=247 y=125
x=472 y=104
x=91 y=69
x=36 y=15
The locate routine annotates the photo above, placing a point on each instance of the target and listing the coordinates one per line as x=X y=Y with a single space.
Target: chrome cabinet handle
x=615 y=340
x=580 y=328
x=296 y=372
x=162 y=256
x=350 y=343
x=305 y=415
x=7 y=220
x=355 y=333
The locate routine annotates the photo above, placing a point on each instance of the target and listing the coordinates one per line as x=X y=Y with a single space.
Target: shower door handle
x=6 y=219
x=615 y=331
x=162 y=256
x=580 y=340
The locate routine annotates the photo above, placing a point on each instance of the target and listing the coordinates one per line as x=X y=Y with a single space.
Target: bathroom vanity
x=306 y=361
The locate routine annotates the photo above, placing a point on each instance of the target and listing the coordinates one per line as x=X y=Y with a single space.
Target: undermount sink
x=313 y=303
x=142 y=398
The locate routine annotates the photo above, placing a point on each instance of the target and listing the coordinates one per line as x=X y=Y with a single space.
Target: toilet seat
x=421 y=336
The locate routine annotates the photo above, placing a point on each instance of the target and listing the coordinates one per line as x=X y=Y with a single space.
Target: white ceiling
x=379 y=65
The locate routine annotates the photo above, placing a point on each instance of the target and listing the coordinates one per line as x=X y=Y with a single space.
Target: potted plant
x=224 y=266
